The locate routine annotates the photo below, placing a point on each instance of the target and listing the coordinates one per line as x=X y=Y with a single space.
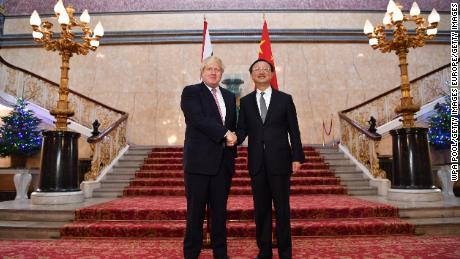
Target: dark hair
x=272 y=68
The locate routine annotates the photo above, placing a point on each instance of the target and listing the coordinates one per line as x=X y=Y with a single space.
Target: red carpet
x=311 y=248
x=154 y=205
x=162 y=174
x=315 y=215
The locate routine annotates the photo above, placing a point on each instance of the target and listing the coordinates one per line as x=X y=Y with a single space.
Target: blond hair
x=212 y=60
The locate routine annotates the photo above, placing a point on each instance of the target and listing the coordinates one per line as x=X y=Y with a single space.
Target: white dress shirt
x=221 y=101
x=267 y=97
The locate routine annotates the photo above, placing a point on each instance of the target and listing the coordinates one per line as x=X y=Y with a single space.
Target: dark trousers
x=265 y=189
x=201 y=190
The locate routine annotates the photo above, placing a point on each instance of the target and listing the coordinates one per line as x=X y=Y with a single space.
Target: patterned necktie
x=214 y=93
x=263 y=107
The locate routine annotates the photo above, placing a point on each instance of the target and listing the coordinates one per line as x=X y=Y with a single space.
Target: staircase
x=120 y=175
x=351 y=178
x=19 y=223
x=153 y=204
x=355 y=181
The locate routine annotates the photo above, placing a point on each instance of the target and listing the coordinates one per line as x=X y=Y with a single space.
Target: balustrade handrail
x=355 y=124
x=363 y=144
x=363 y=130
x=100 y=137
x=106 y=146
x=2 y=60
x=93 y=139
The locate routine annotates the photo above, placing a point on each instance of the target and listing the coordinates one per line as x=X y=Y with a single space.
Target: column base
x=52 y=198
x=414 y=195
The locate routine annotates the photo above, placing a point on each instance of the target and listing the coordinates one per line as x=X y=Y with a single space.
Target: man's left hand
x=295 y=166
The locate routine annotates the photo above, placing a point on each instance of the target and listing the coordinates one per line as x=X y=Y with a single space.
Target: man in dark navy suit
x=268 y=118
x=209 y=164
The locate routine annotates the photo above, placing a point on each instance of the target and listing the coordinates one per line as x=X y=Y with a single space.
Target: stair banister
x=43 y=92
x=361 y=143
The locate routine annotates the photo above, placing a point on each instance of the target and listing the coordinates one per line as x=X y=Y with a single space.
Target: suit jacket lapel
x=273 y=100
x=255 y=106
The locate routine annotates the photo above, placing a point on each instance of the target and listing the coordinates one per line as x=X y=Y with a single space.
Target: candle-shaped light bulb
x=391 y=7
x=94 y=43
x=414 y=10
x=373 y=41
x=397 y=15
x=37 y=35
x=59 y=7
x=387 y=19
x=99 y=30
x=368 y=28
x=35 y=19
x=433 y=17
x=432 y=31
x=84 y=17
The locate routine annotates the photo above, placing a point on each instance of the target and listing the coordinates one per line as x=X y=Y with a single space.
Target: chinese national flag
x=265 y=52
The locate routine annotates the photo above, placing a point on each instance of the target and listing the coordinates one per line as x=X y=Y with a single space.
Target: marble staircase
x=119 y=176
x=356 y=182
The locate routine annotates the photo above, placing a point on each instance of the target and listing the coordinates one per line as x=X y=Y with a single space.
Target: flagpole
x=205 y=45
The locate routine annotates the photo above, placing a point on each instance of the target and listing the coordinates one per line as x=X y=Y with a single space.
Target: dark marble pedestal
x=59 y=162
x=411 y=159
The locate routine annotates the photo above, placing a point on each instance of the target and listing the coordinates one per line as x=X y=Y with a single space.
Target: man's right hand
x=231 y=139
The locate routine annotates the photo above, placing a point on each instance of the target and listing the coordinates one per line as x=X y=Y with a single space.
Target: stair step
x=235 y=190
x=328 y=151
x=133 y=158
x=350 y=175
x=339 y=162
x=430 y=212
x=354 y=182
x=129 y=163
x=236 y=181
x=361 y=190
x=118 y=177
x=304 y=166
x=238 y=173
x=36 y=215
x=436 y=226
x=108 y=193
x=326 y=227
x=10 y=229
x=115 y=185
x=332 y=156
x=435 y=221
x=343 y=168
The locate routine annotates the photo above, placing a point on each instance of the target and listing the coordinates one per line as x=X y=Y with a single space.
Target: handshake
x=231 y=138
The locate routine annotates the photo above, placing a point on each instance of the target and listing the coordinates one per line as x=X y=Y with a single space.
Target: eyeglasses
x=213 y=69
x=260 y=69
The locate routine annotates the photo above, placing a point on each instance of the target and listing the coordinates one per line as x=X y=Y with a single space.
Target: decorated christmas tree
x=19 y=134
x=439 y=132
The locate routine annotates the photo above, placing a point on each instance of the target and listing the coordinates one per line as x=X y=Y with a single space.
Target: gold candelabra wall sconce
x=401 y=42
x=66 y=44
